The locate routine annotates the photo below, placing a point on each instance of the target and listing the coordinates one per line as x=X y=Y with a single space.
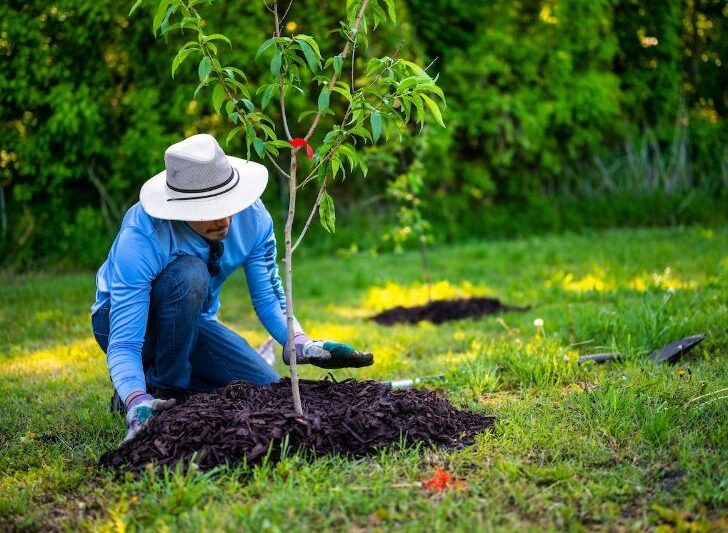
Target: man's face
x=212 y=230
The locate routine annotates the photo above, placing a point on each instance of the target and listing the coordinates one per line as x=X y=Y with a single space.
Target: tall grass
x=656 y=160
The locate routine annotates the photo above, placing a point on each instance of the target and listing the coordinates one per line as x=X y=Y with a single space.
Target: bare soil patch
x=439 y=311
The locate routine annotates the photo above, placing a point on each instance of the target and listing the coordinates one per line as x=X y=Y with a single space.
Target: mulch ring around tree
x=439 y=311
x=248 y=422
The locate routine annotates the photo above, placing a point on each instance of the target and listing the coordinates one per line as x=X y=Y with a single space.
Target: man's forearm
x=125 y=367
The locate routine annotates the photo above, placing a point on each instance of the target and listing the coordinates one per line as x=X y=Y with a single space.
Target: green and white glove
x=140 y=410
x=327 y=354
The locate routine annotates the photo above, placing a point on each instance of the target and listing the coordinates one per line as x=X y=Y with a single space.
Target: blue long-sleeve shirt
x=146 y=245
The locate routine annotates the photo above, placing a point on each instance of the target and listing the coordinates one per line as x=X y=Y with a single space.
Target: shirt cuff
x=128 y=386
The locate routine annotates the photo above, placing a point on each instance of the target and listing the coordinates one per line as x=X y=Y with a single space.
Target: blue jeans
x=182 y=351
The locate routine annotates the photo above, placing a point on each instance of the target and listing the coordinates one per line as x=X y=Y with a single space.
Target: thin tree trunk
x=290 y=350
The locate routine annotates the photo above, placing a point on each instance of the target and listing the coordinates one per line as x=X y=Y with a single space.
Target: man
x=157 y=297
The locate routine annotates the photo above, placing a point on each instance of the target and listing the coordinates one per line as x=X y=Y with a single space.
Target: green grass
x=615 y=446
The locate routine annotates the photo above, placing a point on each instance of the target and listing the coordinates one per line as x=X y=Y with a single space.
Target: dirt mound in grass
x=241 y=421
x=439 y=311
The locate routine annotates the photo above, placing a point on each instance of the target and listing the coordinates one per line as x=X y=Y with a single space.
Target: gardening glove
x=140 y=410
x=327 y=354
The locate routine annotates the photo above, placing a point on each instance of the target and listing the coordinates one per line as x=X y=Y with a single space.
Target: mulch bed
x=439 y=311
x=243 y=421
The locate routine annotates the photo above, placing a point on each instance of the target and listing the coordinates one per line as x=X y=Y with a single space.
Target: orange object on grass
x=442 y=480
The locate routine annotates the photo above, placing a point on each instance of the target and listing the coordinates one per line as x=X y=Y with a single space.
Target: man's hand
x=140 y=409
x=328 y=354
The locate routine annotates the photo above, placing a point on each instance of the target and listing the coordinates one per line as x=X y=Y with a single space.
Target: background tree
x=550 y=105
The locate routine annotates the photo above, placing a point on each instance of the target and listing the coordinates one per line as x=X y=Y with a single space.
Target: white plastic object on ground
x=267 y=351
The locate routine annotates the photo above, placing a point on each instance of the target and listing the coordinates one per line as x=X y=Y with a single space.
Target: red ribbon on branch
x=298 y=142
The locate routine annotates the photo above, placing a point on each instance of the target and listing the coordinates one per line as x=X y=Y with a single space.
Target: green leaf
x=407 y=83
x=364 y=167
x=259 y=147
x=268 y=131
x=343 y=92
x=433 y=109
x=250 y=105
x=415 y=68
x=378 y=14
x=280 y=144
x=362 y=132
x=203 y=83
x=180 y=57
x=204 y=68
x=310 y=41
x=417 y=100
x=263 y=47
x=160 y=15
x=218 y=97
x=350 y=155
x=267 y=95
x=338 y=64
x=218 y=37
x=238 y=86
x=327 y=213
x=390 y=10
x=376 y=120
x=249 y=136
x=232 y=134
x=275 y=64
x=435 y=89
x=310 y=55
x=272 y=149
x=323 y=100
x=231 y=71
x=305 y=114
x=135 y=7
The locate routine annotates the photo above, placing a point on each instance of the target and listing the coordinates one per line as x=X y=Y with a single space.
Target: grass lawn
x=616 y=446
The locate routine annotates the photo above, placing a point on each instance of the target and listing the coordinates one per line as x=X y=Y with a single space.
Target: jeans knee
x=187 y=276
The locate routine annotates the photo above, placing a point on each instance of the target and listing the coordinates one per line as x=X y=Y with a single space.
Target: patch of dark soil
x=671 y=479
x=440 y=311
x=242 y=421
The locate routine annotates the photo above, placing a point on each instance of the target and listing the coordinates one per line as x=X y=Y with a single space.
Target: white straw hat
x=201 y=183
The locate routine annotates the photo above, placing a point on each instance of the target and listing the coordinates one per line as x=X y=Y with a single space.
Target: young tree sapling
x=396 y=91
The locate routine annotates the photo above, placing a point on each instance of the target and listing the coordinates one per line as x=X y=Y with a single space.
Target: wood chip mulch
x=246 y=422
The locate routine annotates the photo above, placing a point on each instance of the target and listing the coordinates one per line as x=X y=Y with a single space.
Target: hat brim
x=157 y=203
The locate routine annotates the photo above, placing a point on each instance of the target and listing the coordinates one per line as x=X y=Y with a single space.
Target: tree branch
x=280 y=76
x=275 y=164
x=335 y=77
x=286 y=12
x=310 y=215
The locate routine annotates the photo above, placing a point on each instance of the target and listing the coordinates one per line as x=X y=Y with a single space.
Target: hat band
x=208 y=189
x=233 y=174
